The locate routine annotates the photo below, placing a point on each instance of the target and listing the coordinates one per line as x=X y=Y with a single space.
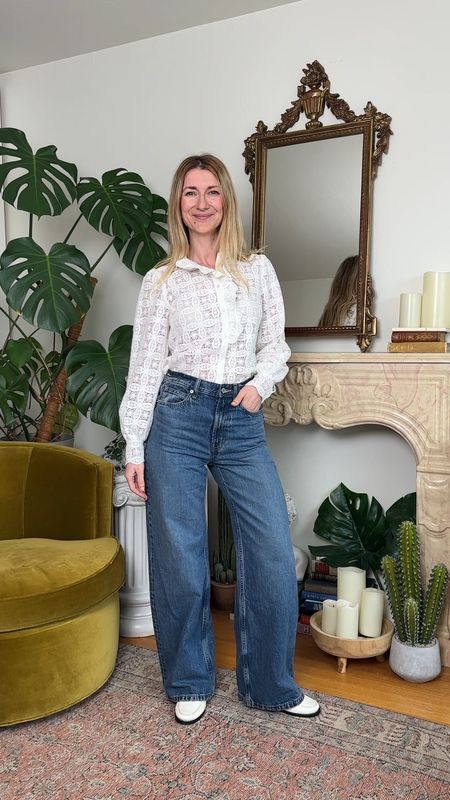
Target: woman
x=340 y=308
x=208 y=347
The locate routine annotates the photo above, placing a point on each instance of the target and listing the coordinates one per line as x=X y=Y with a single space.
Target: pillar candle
x=371 y=613
x=329 y=615
x=347 y=621
x=436 y=300
x=350 y=583
x=410 y=310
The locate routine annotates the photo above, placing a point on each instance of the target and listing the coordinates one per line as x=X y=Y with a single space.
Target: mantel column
x=411 y=396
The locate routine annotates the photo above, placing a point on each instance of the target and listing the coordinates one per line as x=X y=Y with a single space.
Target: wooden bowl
x=362 y=647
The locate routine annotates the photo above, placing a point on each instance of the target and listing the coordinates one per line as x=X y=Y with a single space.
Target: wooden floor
x=366 y=681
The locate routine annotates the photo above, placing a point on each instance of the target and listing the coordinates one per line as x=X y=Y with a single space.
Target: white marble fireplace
x=406 y=392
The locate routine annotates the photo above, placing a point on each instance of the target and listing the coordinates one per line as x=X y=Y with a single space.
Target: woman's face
x=201 y=202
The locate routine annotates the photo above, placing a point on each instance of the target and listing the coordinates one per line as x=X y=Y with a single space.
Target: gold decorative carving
x=411 y=396
x=312 y=102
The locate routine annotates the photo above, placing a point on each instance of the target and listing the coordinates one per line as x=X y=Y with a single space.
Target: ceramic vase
x=417 y=664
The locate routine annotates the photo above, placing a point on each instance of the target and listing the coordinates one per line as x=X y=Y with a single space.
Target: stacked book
x=320 y=585
x=419 y=340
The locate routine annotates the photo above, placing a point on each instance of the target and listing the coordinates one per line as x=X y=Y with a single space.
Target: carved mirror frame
x=313 y=96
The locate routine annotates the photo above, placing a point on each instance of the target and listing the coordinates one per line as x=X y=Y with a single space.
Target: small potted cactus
x=414 y=650
x=223 y=582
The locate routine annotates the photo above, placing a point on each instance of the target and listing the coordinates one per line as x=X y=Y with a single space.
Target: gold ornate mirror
x=312 y=208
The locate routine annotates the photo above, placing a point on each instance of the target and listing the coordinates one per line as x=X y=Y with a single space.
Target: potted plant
x=360 y=533
x=51 y=290
x=223 y=583
x=414 y=651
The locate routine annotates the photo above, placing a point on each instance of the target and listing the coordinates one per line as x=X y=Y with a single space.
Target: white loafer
x=307 y=708
x=189 y=711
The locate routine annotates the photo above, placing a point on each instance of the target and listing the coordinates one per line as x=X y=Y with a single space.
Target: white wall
x=146 y=105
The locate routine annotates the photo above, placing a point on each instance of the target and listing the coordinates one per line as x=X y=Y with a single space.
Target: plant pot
x=222 y=595
x=417 y=664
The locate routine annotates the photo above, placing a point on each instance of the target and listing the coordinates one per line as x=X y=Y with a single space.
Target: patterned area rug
x=124 y=743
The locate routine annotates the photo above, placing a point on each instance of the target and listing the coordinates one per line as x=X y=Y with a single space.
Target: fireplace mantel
x=406 y=392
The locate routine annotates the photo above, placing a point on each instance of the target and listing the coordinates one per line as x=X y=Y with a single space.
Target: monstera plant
x=360 y=533
x=51 y=290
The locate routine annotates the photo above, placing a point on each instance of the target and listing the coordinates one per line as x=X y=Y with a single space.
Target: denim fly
x=195 y=428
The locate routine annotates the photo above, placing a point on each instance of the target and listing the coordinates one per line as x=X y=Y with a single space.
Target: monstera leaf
x=14 y=394
x=19 y=351
x=97 y=377
x=404 y=509
x=119 y=204
x=50 y=290
x=142 y=251
x=357 y=531
x=45 y=186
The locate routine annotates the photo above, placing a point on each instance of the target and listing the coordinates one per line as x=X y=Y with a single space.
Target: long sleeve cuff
x=264 y=386
x=134 y=453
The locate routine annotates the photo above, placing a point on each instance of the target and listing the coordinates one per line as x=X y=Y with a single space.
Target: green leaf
x=14 y=394
x=402 y=510
x=97 y=379
x=142 y=250
x=19 y=351
x=45 y=186
x=50 y=290
x=119 y=204
x=66 y=418
x=356 y=530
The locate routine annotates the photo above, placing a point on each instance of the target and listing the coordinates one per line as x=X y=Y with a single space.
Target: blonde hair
x=230 y=236
x=343 y=294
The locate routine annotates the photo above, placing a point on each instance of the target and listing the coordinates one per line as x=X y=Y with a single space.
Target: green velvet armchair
x=60 y=574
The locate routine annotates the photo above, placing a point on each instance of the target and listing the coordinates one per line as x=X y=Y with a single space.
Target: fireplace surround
x=406 y=392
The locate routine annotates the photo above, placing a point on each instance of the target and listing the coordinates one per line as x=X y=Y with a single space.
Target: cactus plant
x=224 y=561
x=415 y=614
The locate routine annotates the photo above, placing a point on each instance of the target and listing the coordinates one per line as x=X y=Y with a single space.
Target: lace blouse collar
x=186 y=263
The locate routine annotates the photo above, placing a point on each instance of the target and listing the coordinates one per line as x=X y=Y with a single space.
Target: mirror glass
x=312 y=225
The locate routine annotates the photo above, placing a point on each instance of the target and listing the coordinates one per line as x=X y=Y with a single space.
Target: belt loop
x=197 y=385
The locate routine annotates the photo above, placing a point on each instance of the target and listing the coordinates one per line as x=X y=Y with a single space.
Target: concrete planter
x=130 y=528
x=415 y=664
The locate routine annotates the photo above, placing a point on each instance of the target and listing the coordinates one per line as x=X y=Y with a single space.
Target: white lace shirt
x=201 y=322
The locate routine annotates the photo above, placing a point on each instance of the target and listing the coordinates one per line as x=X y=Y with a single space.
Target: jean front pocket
x=251 y=413
x=174 y=394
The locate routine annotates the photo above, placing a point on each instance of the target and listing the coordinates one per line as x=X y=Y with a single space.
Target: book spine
x=417 y=347
x=418 y=336
x=304 y=629
x=307 y=595
x=324 y=587
x=321 y=567
x=312 y=606
x=322 y=576
x=305 y=618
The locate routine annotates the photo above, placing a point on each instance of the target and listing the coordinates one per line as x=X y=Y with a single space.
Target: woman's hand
x=249 y=398
x=134 y=474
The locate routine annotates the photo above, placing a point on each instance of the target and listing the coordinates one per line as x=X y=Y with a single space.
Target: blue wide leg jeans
x=195 y=428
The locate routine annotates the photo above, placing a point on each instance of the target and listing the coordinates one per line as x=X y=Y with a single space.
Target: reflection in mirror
x=341 y=305
x=312 y=222
x=312 y=208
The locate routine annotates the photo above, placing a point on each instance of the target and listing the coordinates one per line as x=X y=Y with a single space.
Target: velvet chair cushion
x=53 y=492
x=43 y=581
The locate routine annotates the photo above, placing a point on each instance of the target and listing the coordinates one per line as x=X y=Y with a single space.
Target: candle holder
x=344 y=649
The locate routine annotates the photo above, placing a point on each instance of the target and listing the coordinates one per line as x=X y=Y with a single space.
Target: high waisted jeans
x=195 y=427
